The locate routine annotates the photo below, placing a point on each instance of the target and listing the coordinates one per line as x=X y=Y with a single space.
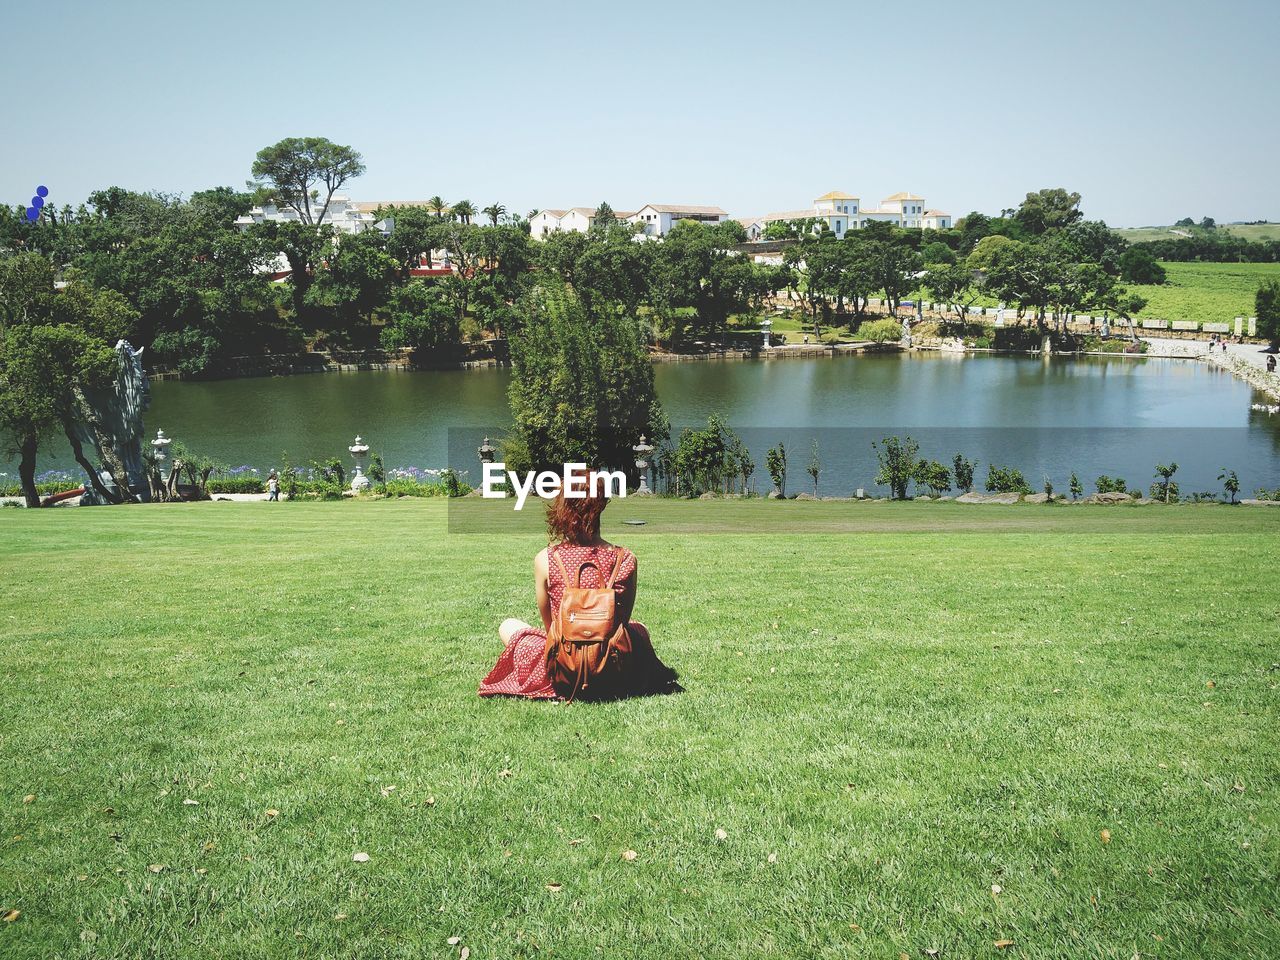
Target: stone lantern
x=642 y=451
x=160 y=447
x=486 y=453
x=360 y=453
x=766 y=328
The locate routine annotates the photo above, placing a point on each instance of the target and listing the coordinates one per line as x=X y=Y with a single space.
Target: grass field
x=1213 y=292
x=1247 y=231
x=917 y=733
x=1207 y=292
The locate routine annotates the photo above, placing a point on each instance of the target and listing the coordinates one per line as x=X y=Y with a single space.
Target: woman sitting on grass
x=579 y=559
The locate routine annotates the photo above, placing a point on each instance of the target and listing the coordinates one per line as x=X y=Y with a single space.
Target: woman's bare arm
x=540 y=588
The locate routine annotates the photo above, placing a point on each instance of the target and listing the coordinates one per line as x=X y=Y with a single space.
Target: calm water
x=1092 y=415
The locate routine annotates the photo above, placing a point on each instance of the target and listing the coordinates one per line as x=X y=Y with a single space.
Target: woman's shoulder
x=626 y=560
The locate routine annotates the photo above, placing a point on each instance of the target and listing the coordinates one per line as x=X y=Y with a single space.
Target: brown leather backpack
x=588 y=649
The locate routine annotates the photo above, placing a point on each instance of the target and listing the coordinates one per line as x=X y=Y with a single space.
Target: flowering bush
x=419 y=482
x=47 y=483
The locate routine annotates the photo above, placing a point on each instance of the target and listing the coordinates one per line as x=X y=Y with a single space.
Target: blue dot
x=37 y=202
x=32 y=213
x=42 y=191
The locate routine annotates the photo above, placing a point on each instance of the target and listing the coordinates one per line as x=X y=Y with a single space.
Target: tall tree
x=693 y=267
x=953 y=285
x=494 y=212
x=296 y=168
x=895 y=270
x=1267 y=309
x=1049 y=209
x=53 y=347
x=437 y=206
x=463 y=211
x=582 y=387
x=295 y=172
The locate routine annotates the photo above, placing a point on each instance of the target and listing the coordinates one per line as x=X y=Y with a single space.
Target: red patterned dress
x=521 y=670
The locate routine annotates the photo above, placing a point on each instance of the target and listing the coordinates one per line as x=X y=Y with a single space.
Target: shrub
x=1077 y=488
x=814 y=467
x=417 y=482
x=775 y=461
x=1164 y=488
x=1267 y=309
x=1006 y=480
x=880 y=331
x=1230 y=483
x=451 y=480
x=240 y=484
x=1107 y=485
x=935 y=476
x=408 y=487
x=897 y=464
x=962 y=470
x=1139 y=266
x=706 y=460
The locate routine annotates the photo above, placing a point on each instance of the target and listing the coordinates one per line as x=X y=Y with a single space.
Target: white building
x=842 y=212
x=909 y=210
x=657 y=219
x=342 y=214
x=545 y=222
x=572 y=220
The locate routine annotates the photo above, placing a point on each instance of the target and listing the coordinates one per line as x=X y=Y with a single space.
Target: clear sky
x=1153 y=111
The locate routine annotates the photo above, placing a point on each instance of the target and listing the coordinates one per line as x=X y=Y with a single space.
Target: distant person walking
x=1271 y=363
x=273 y=487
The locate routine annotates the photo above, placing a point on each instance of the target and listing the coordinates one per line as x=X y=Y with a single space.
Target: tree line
x=1043 y=258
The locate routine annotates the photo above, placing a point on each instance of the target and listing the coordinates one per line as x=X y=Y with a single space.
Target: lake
x=1093 y=415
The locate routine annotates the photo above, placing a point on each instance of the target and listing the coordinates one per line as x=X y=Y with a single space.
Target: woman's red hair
x=575 y=520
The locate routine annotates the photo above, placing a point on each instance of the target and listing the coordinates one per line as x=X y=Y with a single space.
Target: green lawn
x=1247 y=231
x=1213 y=292
x=891 y=710
x=1208 y=292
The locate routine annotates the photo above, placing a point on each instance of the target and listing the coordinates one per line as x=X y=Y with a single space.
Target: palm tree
x=493 y=212
x=464 y=210
x=437 y=205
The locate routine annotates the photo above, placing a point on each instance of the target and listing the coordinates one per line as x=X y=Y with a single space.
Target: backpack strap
x=619 y=556
x=560 y=563
x=617 y=565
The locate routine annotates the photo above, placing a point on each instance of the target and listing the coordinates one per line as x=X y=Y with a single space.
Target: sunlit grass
x=887 y=726
x=1209 y=292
